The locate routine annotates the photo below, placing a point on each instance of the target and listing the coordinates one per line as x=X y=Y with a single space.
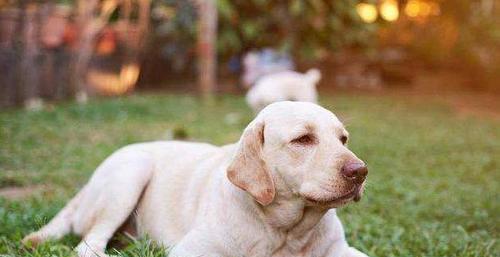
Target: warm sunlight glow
x=435 y=9
x=367 y=12
x=412 y=8
x=115 y=84
x=421 y=9
x=129 y=75
x=389 y=10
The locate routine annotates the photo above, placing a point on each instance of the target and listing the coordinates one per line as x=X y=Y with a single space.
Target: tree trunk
x=89 y=27
x=207 y=59
x=9 y=24
x=135 y=44
x=30 y=50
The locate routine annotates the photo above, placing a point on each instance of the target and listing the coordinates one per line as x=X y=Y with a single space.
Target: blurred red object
x=106 y=43
x=70 y=36
x=52 y=33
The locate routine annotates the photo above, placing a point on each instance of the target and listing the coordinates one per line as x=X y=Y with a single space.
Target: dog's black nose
x=356 y=171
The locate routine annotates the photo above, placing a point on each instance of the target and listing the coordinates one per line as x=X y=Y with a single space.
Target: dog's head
x=304 y=147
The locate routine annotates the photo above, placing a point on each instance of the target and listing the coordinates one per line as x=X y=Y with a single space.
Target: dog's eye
x=305 y=140
x=343 y=139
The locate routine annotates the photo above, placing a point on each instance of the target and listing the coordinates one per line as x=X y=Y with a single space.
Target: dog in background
x=284 y=86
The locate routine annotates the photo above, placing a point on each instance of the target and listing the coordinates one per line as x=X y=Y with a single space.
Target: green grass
x=433 y=183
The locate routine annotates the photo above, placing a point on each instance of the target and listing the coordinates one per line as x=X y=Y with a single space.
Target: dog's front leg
x=335 y=239
x=196 y=244
x=342 y=249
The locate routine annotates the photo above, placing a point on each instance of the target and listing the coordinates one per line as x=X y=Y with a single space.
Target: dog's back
x=179 y=185
x=284 y=86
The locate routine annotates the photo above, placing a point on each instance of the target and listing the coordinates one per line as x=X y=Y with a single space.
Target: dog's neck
x=291 y=225
x=286 y=219
x=291 y=215
x=288 y=211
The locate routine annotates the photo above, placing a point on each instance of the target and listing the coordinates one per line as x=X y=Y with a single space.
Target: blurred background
x=56 y=50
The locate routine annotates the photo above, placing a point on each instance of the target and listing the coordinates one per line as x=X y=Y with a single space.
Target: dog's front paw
x=33 y=239
x=85 y=250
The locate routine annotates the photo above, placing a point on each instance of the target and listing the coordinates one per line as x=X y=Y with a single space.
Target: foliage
x=478 y=46
x=174 y=23
x=466 y=32
x=432 y=187
x=308 y=29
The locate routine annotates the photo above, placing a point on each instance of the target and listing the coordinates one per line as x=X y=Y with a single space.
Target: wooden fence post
x=28 y=73
x=89 y=26
x=9 y=38
x=207 y=56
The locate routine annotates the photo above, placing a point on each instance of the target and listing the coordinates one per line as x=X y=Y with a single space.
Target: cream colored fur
x=268 y=195
x=284 y=86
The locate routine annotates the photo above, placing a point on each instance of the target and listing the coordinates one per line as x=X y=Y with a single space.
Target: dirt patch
x=463 y=103
x=484 y=105
x=17 y=193
x=459 y=92
x=446 y=87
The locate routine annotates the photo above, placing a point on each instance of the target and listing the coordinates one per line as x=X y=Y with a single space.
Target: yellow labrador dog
x=271 y=194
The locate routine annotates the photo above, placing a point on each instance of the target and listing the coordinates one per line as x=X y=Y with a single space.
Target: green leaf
x=296 y=7
x=225 y=8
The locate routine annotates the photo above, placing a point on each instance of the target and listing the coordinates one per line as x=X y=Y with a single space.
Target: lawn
x=432 y=189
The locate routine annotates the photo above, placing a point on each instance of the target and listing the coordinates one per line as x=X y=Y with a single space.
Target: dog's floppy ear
x=248 y=169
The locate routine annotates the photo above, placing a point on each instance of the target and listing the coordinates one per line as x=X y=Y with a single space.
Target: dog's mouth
x=354 y=194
